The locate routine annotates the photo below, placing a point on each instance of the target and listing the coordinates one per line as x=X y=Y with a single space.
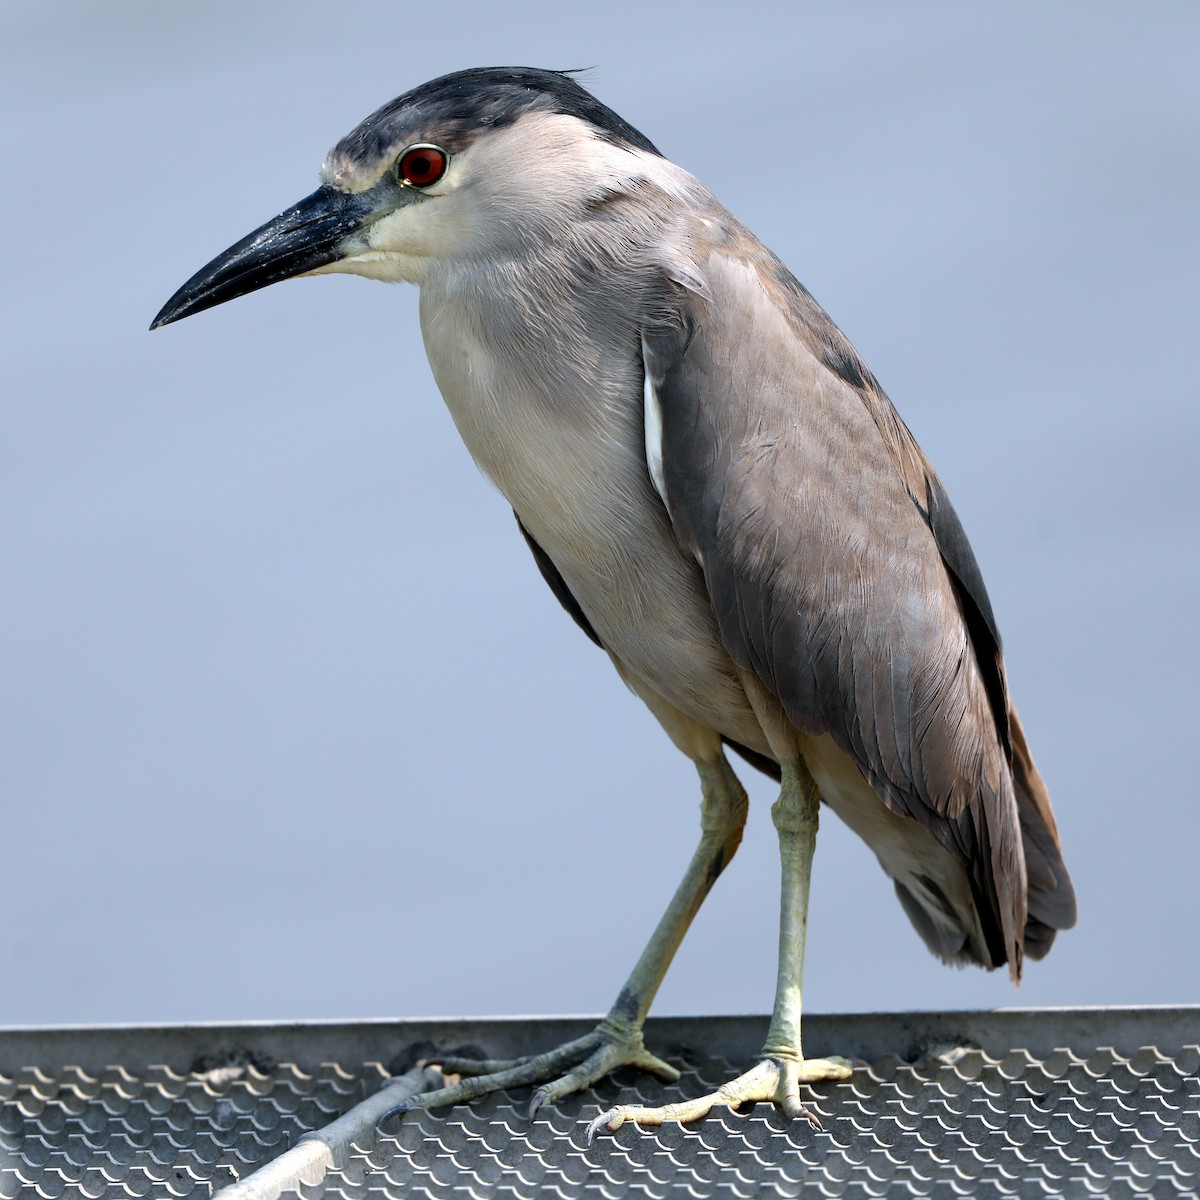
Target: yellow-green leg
x=777 y=1076
x=617 y=1040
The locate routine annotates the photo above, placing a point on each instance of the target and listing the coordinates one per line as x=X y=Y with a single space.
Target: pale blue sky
x=289 y=724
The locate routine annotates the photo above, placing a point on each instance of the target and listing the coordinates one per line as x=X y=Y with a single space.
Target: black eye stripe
x=422 y=165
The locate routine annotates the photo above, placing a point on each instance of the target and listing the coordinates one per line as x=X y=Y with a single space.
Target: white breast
x=570 y=456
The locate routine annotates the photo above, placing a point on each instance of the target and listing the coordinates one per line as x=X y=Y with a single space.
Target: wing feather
x=839 y=572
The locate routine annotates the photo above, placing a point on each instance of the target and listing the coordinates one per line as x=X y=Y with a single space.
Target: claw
x=797 y=1111
x=395 y=1111
x=600 y=1123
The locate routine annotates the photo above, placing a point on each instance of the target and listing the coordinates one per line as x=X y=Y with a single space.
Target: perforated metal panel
x=1053 y=1103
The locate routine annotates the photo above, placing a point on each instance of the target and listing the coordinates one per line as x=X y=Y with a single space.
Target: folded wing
x=840 y=576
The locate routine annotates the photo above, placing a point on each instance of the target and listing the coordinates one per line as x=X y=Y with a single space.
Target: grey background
x=291 y=726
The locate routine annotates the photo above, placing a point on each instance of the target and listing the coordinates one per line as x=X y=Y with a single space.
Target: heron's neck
x=544 y=386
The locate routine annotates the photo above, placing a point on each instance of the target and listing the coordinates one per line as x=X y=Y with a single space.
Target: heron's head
x=461 y=166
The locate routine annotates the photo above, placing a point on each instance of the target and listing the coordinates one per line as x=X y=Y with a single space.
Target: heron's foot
x=569 y=1068
x=771 y=1080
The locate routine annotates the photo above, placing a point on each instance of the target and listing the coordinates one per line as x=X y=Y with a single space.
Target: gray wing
x=838 y=570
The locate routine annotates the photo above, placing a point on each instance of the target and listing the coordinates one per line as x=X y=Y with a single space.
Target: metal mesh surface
x=1091 y=1103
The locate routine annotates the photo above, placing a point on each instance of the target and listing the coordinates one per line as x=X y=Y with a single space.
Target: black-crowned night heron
x=721 y=495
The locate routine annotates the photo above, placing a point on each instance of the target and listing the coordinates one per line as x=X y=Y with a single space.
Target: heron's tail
x=1051 y=895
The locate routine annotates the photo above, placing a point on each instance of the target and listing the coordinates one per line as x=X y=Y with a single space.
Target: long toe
x=606 y=1059
x=568 y=1068
x=813 y=1070
x=546 y=1064
x=770 y=1081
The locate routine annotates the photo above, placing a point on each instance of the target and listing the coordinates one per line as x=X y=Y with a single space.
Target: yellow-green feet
x=771 y=1080
x=617 y=1040
x=568 y=1068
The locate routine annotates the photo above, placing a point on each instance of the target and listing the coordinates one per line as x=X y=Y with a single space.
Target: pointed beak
x=317 y=231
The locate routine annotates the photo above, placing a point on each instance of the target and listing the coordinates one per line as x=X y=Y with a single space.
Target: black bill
x=306 y=236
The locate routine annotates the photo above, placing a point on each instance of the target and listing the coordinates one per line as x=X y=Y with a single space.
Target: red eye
x=422 y=165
